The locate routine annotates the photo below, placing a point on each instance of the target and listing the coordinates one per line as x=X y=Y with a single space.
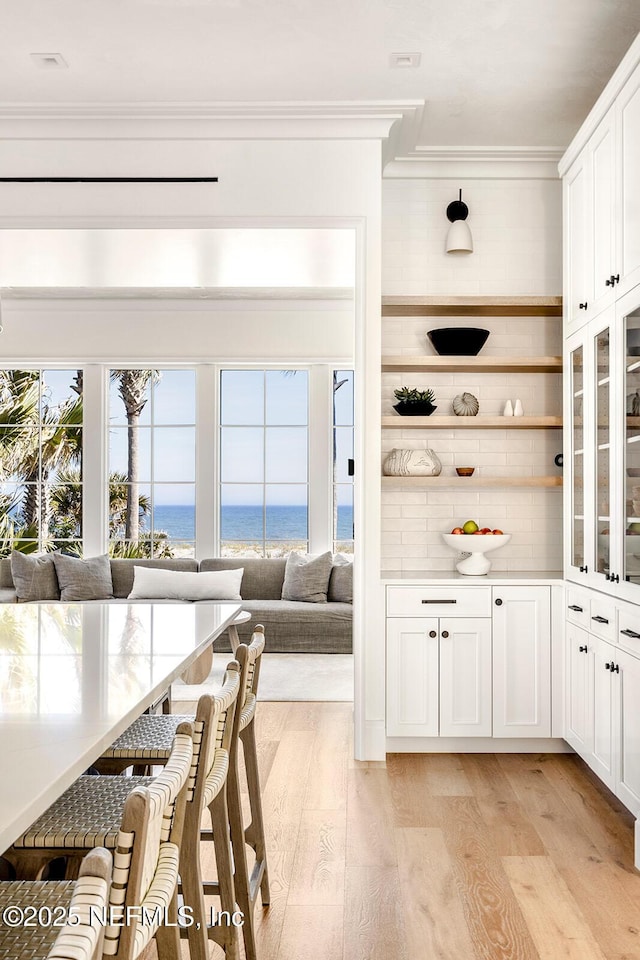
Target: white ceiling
x=493 y=72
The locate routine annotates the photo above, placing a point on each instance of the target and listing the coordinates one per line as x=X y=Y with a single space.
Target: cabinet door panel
x=579 y=695
x=412 y=677
x=465 y=677
x=522 y=662
x=602 y=148
x=628 y=106
x=578 y=284
x=602 y=761
x=628 y=681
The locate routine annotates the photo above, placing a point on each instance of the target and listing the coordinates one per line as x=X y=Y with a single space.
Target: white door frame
x=368 y=669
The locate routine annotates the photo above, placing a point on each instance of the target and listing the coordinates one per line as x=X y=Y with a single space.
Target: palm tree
x=132 y=387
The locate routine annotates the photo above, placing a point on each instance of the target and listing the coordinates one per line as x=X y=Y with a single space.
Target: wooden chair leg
x=192 y=894
x=254 y=834
x=241 y=872
x=168 y=937
x=226 y=935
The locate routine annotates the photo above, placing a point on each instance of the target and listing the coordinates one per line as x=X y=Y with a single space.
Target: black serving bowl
x=458 y=341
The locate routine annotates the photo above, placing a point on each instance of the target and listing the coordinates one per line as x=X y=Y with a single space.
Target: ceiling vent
x=405 y=60
x=50 y=61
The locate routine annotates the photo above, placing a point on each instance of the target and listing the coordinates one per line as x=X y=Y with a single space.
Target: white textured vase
x=517 y=409
x=411 y=463
x=508 y=409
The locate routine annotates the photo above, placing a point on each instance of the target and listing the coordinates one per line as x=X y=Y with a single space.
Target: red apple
x=457 y=530
x=498 y=533
x=478 y=533
x=486 y=530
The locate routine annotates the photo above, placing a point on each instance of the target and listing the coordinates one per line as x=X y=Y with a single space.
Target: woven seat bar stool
x=52 y=902
x=89 y=813
x=146 y=741
x=143 y=901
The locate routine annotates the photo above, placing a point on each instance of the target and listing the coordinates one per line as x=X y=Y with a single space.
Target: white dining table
x=73 y=676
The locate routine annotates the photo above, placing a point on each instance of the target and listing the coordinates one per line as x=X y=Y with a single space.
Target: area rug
x=285 y=676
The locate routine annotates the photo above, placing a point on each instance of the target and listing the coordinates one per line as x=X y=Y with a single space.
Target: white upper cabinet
x=602 y=199
x=576 y=243
x=628 y=167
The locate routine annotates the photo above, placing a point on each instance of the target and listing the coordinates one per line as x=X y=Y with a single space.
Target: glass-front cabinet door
x=579 y=532
x=630 y=328
x=602 y=395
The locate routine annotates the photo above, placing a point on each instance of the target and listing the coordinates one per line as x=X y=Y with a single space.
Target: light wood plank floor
x=437 y=857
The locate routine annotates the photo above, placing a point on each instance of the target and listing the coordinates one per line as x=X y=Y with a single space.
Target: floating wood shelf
x=437 y=364
x=475 y=481
x=397 y=422
x=472 y=306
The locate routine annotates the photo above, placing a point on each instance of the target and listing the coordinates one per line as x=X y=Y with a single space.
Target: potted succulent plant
x=414 y=403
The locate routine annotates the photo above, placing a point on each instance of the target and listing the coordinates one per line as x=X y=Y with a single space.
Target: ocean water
x=245 y=523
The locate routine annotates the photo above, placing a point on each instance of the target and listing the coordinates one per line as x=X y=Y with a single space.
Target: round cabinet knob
x=445 y=634
x=608 y=666
x=432 y=633
x=498 y=602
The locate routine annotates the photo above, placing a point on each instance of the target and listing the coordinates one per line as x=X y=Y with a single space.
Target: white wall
x=148 y=330
x=516 y=226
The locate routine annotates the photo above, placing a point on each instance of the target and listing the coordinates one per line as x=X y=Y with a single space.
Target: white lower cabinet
x=438 y=677
x=458 y=675
x=579 y=694
x=602 y=716
x=521 y=662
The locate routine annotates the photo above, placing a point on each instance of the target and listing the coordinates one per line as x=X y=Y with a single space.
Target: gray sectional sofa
x=291 y=626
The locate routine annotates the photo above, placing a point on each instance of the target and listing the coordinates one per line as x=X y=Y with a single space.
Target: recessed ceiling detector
x=49 y=61
x=405 y=60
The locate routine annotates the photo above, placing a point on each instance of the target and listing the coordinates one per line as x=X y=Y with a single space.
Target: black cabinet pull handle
x=432 y=633
x=445 y=634
x=584 y=569
x=608 y=666
x=498 y=602
x=617 y=278
x=582 y=649
x=615 y=668
x=631 y=633
x=582 y=306
x=600 y=619
x=616 y=578
x=439 y=601
x=574 y=606
x=610 y=282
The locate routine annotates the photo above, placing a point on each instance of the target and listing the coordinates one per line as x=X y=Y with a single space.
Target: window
x=152 y=463
x=264 y=417
x=343 y=461
x=40 y=460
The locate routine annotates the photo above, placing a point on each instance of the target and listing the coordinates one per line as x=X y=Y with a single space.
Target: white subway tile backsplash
x=517 y=233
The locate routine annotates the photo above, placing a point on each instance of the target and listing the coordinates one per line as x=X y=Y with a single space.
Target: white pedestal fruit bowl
x=477 y=544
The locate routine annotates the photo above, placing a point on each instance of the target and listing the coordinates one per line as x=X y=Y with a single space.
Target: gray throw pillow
x=341 y=580
x=307 y=577
x=34 y=577
x=84 y=579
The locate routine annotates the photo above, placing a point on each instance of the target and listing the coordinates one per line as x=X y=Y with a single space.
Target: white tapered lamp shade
x=459 y=239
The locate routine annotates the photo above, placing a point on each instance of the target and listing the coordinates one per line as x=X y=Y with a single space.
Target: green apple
x=470 y=526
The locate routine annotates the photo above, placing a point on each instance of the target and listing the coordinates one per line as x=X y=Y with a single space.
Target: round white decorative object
x=465 y=405
x=517 y=409
x=508 y=409
x=475 y=565
x=411 y=463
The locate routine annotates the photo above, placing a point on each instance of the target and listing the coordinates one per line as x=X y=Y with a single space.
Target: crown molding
x=340 y=120
x=472 y=162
